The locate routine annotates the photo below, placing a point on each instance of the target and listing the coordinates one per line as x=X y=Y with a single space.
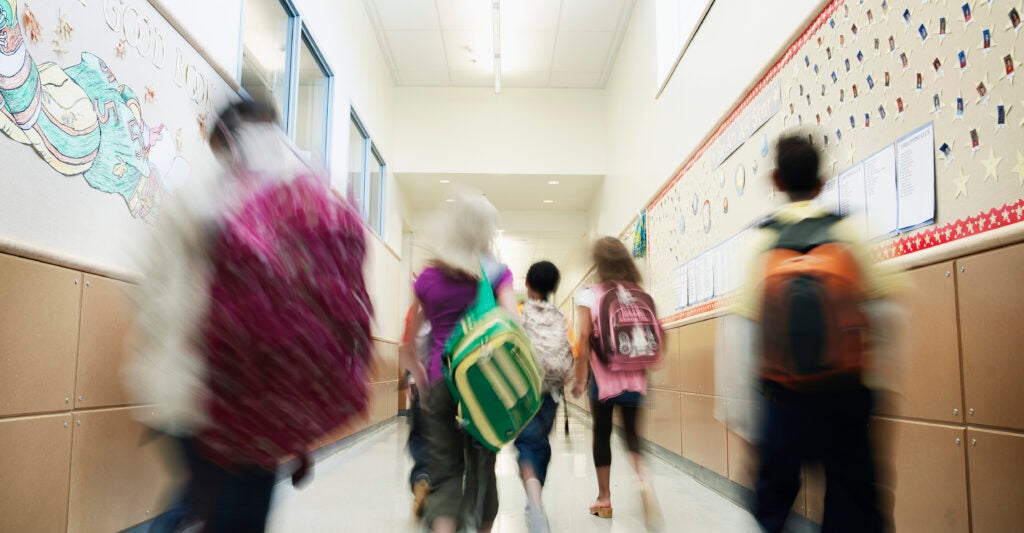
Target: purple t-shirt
x=444 y=301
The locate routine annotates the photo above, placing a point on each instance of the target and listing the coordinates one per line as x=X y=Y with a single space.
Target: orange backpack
x=812 y=325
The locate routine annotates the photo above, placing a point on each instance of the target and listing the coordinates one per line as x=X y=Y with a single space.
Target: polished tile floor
x=363 y=488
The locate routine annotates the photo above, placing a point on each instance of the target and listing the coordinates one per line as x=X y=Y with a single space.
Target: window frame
x=306 y=38
x=298 y=32
x=370 y=153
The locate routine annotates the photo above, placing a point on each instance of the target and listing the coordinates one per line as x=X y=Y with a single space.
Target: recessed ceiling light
x=446 y=181
x=549 y=201
x=450 y=200
x=553 y=182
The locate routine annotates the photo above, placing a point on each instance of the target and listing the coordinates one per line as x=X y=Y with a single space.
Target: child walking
x=546 y=327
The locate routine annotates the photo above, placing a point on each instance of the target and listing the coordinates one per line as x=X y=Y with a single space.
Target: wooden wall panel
x=930 y=475
x=36 y=455
x=997 y=468
x=697 y=357
x=106 y=317
x=703 y=438
x=120 y=476
x=39 y=309
x=931 y=384
x=668 y=377
x=991 y=291
x=666 y=418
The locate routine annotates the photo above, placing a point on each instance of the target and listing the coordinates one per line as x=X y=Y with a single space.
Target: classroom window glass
x=266 y=42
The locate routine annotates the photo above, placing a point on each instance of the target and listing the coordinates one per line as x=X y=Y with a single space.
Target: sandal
x=601 y=511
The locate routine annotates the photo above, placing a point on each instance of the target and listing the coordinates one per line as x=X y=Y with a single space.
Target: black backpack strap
x=805 y=235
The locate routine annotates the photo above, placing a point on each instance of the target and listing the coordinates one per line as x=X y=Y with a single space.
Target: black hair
x=543 y=277
x=234 y=115
x=796 y=164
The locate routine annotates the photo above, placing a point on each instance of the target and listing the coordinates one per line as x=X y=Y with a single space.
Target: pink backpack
x=627 y=334
x=287 y=335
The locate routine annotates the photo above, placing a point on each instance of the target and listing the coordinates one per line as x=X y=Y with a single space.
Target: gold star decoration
x=992 y=165
x=64 y=29
x=1006 y=115
x=1014 y=66
x=31 y=25
x=1019 y=168
x=961 y=184
x=121 y=49
x=1009 y=23
x=988 y=91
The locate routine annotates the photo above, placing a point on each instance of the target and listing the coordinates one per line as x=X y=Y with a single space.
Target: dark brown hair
x=796 y=163
x=233 y=116
x=613 y=261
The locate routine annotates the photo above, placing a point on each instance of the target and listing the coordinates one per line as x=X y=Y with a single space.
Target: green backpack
x=491 y=372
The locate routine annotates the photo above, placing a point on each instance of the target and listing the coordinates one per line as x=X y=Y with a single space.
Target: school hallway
x=364 y=488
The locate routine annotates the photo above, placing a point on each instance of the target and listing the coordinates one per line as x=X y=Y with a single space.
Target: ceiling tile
x=406 y=15
x=425 y=78
x=469 y=50
x=472 y=15
x=524 y=78
x=527 y=50
x=473 y=78
x=417 y=50
x=530 y=15
x=581 y=51
x=590 y=15
x=584 y=80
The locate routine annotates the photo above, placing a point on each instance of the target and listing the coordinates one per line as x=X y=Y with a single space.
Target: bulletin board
x=882 y=88
x=104 y=112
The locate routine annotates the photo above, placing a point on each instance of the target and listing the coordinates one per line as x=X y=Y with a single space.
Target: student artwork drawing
x=81 y=121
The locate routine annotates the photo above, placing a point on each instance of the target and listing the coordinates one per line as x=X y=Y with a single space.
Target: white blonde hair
x=468 y=233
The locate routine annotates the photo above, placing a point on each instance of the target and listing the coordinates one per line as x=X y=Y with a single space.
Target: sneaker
x=420 y=491
x=536 y=520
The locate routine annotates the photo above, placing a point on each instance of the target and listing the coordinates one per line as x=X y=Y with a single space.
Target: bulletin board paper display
x=105 y=109
x=867 y=79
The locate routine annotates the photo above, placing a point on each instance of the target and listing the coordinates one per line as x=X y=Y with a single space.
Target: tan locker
x=697 y=357
x=810 y=502
x=703 y=437
x=644 y=419
x=742 y=460
x=120 y=474
x=991 y=293
x=106 y=318
x=931 y=384
x=666 y=416
x=997 y=468
x=36 y=455
x=929 y=468
x=668 y=376
x=39 y=310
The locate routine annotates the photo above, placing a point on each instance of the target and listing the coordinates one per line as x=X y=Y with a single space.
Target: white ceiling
x=508 y=192
x=531 y=229
x=544 y=43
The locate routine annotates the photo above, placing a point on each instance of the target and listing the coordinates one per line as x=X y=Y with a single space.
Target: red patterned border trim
x=770 y=76
x=985 y=221
x=706 y=307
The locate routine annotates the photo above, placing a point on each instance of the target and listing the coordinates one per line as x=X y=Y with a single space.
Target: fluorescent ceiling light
x=446 y=181
x=496 y=34
x=450 y=200
x=549 y=201
x=553 y=182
